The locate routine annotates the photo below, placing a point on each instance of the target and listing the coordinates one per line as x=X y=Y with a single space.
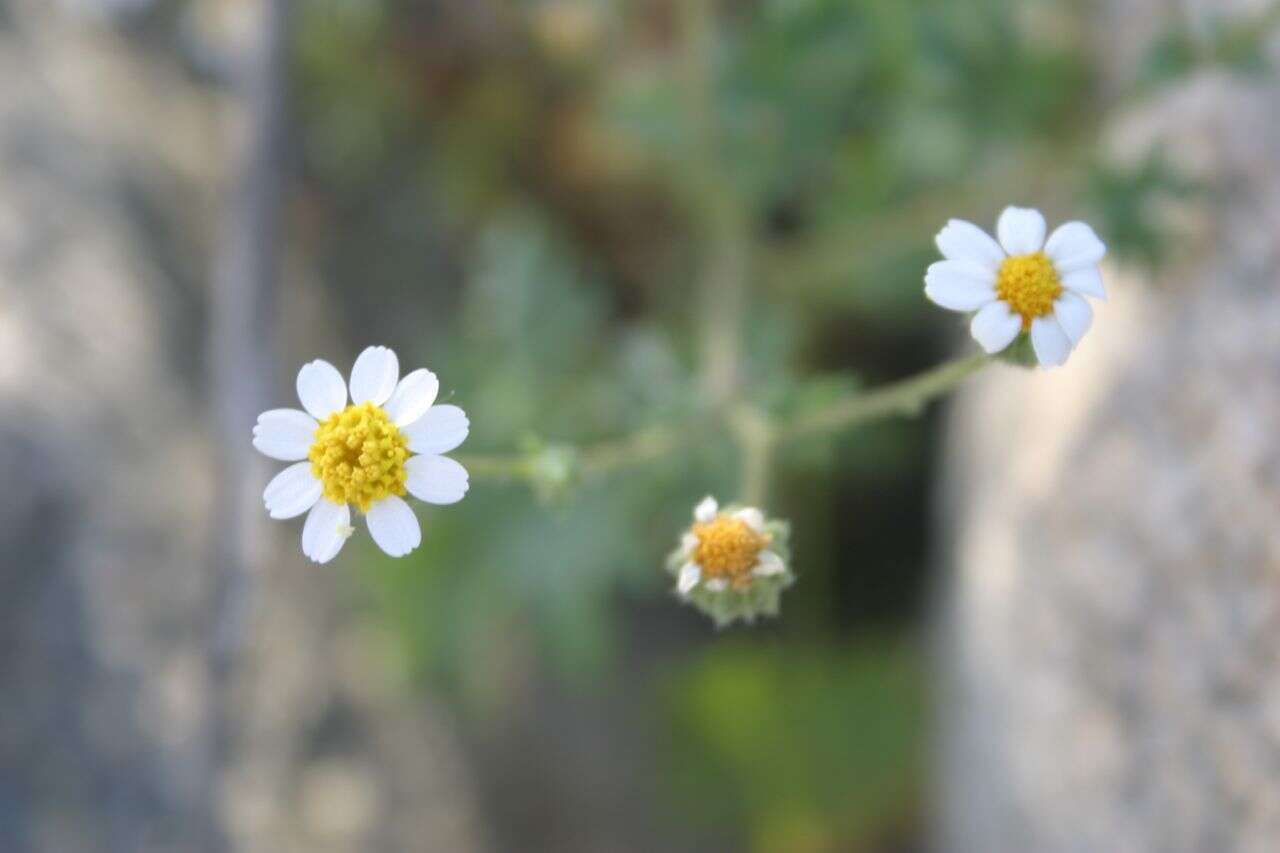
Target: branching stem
x=723 y=228
x=752 y=429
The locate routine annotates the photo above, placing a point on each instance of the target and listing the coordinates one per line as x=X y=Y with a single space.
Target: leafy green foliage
x=526 y=326
x=528 y=185
x=1130 y=200
x=1237 y=46
x=798 y=747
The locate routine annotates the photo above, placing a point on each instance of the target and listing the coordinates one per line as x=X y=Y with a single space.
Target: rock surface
x=1112 y=620
x=110 y=163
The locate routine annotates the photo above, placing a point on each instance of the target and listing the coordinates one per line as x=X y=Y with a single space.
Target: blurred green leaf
x=778 y=740
x=1130 y=201
x=507 y=187
x=1237 y=44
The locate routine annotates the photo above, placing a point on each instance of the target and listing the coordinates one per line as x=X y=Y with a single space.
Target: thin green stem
x=756 y=435
x=905 y=397
x=639 y=447
x=718 y=213
x=497 y=466
x=590 y=461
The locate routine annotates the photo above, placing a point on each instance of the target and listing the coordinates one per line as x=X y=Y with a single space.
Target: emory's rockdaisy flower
x=362 y=453
x=732 y=564
x=1022 y=284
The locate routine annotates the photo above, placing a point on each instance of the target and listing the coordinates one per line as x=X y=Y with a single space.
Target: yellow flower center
x=728 y=548
x=1029 y=285
x=359 y=456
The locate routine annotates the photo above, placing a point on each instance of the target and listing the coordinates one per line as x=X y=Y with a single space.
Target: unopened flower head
x=732 y=563
x=1022 y=284
x=386 y=443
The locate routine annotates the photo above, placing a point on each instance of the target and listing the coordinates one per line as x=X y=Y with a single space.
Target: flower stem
x=754 y=432
x=905 y=397
x=719 y=216
x=756 y=438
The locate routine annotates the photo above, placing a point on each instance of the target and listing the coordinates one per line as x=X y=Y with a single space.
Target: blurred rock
x=107 y=8
x=110 y=174
x=1112 y=630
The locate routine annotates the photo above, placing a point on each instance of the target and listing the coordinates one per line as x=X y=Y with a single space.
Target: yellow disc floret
x=728 y=548
x=1029 y=285
x=359 y=456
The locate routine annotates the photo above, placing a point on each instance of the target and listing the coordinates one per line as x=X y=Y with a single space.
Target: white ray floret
x=1020 y=283
x=387 y=443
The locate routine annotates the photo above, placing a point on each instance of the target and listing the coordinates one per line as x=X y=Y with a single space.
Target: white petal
x=326 y=530
x=1051 y=343
x=1087 y=281
x=321 y=389
x=394 y=526
x=716 y=585
x=284 y=451
x=964 y=241
x=1074 y=315
x=706 y=511
x=284 y=434
x=753 y=517
x=412 y=397
x=1021 y=230
x=690 y=574
x=688 y=542
x=1073 y=246
x=436 y=479
x=959 y=285
x=995 y=327
x=373 y=378
x=768 y=563
x=440 y=430
x=292 y=492
x=286 y=425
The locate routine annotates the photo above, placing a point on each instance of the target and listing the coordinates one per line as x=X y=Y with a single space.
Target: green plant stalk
x=721 y=223
x=905 y=397
x=756 y=438
x=754 y=432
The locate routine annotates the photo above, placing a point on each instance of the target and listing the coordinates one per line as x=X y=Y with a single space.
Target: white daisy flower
x=732 y=563
x=1021 y=284
x=362 y=453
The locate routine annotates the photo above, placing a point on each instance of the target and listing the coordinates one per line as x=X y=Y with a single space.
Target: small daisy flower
x=731 y=564
x=362 y=453
x=1022 y=284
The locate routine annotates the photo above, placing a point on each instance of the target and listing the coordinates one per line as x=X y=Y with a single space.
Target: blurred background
x=1043 y=618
